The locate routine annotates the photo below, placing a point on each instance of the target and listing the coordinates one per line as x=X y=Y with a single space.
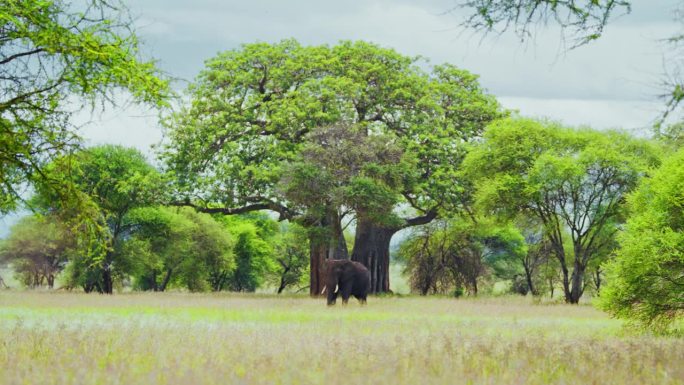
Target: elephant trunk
x=332 y=294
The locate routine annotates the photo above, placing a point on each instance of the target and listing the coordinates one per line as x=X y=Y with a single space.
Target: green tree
x=452 y=255
x=253 y=258
x=53 y=53
x=645 y=282
x=572 y=181
x=252 y=108
x=38 y=249
x=212 y=260
x=291 y=255
x=161 y=242
x=113 y=181
x=341 y=171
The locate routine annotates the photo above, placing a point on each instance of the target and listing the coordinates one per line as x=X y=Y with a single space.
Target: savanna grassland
x=65 y=338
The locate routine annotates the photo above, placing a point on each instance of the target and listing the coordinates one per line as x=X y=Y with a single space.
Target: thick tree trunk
x=107 y=282
x=318 y=252
x=372 y=249
x=560 y=254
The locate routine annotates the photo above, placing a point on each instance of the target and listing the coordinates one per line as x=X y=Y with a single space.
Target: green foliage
x=38 y=249
x=51 y=52
x=342 y=166
x=671 y=136
x=253 y=259
x=160 y=244
x=646 y=279
x=291 y=255
x=572 y=181
x=107 y=182
x=211 y=259
x=454 y=255
x=506 y=247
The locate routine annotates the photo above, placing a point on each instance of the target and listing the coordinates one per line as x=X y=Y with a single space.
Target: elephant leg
x=346 y=290
x=361 y=298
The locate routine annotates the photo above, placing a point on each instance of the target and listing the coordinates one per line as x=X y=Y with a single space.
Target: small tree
x=453 y=255
x=253 y=234
x=291 y=255
x=38 y=248
x=161 y=243
x=645 y=282
x=211 y=259
x=252 y=258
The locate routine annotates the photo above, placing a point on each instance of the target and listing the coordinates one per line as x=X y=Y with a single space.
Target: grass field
x=63 y=338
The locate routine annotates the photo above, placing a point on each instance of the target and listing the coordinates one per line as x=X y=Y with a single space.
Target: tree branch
x=284 y=212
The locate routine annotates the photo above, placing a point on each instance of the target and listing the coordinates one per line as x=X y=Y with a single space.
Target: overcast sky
x=613 y=82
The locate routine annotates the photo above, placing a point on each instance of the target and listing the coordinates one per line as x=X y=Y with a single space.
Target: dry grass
x=62 y=338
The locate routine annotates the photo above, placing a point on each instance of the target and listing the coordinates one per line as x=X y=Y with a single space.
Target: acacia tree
x=251 y=109
x=53 y=54
x=452 y=255
x=112 y=181
x=38 y=248
x=212 y=258
x=573 y=181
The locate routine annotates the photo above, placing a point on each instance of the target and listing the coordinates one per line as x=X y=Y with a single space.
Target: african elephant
x=347 y=278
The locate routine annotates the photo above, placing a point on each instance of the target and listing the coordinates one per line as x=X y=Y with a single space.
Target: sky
x=613 y=82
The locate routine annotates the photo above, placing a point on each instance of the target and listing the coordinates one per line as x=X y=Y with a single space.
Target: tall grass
x=50 y=338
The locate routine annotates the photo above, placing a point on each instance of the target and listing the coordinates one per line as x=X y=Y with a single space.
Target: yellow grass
x=63 y=338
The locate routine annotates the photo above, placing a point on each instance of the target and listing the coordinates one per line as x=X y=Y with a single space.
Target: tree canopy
x=251 y=112
x=573 y=180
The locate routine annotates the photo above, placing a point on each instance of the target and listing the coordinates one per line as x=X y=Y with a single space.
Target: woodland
x=280 y=156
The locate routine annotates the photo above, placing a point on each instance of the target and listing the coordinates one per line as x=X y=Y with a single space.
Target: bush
x=646 y=279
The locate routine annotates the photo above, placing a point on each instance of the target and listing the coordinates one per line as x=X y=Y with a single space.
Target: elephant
x=347 y=278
